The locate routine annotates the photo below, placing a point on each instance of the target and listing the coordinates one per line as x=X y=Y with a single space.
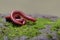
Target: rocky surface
x=47 y=30
x=44 y=32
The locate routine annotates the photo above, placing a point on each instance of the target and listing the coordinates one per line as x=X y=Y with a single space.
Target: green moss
x=49 y=36
x=1 y=20
x=58 y=33
x=30 y=29
x=56 y=25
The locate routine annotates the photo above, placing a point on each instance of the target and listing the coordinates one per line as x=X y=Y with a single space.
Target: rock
x=54 y=39
x=5 y=38
x=39 y=37
x=44 y=31
x=4 y=20
x=53 y=19
x=54 y=35
x=16 y=38
x=23 y=38
x=1 y=24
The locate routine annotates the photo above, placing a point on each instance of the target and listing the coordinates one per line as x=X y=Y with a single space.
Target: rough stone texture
x=23 y=38
x=40 y=37
x=5 y=38
x=16 y=38
x=44 y=32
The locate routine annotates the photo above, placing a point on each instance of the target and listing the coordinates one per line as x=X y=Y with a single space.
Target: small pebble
x=23 y=38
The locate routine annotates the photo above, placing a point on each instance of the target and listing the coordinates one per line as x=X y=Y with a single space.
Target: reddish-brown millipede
x=19 y=17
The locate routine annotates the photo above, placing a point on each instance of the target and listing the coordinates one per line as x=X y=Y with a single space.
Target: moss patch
x=56 y=25
x=30 y=29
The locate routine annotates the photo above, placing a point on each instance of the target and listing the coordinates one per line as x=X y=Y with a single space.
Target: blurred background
x=47 y=7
